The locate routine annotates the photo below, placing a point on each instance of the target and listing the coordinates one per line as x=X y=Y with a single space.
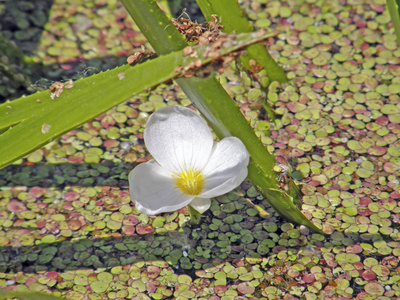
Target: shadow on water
x=21 y=26
x=193 y=248
x=23 y=23
x=83 y=253
x=186 y=251
x=224 y=235
x=230 y=231
x=59 y=175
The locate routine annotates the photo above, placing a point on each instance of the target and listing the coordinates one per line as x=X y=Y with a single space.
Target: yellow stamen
x=190 y=182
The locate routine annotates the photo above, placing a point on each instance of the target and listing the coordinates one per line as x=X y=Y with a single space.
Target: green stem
x=234 y=21
x=278 y=199
x=225 y=118
x=393 y=7
x=222 y=113
x=155 y=26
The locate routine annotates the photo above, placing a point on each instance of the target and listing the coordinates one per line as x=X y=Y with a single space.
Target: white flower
x=188 y=167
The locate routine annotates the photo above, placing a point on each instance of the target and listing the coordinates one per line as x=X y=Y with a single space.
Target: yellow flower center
x=190 y=182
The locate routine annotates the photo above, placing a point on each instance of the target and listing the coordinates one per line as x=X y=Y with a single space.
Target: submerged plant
x=188 y=167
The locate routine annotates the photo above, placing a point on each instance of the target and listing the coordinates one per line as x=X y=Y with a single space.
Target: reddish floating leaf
x=52 y=275
x=107 y=121
x=220 y=290
x=74 y=224
x=71 y=196
x=390 y=167
x=296 y=107
x=36 y=192
x=130 y=220
x=111 y=143
x=309 y=278
x=368 y=275
x=144 y=229
x=390 y=262
x=151 y=287
x=128 y=230
x=153 y=271
x=16 y=206
x=354 y=249
x=76 y=158
x=377 y=150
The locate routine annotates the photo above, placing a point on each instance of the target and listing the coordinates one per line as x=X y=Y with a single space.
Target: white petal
x=200 y=204
x=226 y=186
x=178 y=138
x=226 y=169
x=153 y=190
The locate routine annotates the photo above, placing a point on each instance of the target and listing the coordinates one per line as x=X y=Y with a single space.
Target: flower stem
x=394 y=11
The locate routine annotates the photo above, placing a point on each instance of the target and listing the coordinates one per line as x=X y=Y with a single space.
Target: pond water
x=68 y=227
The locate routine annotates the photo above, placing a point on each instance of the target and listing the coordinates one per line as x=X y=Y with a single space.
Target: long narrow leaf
x=29 y=122
x=394 y=11
x=234 y=20
x=221 y=112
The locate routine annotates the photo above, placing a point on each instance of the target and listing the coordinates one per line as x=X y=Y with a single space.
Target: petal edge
x=153 y=191
x=178 y=138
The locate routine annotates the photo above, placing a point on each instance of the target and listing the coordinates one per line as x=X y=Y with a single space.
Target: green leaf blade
x=27 y=124
x=220 y=110
x=234 y=20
